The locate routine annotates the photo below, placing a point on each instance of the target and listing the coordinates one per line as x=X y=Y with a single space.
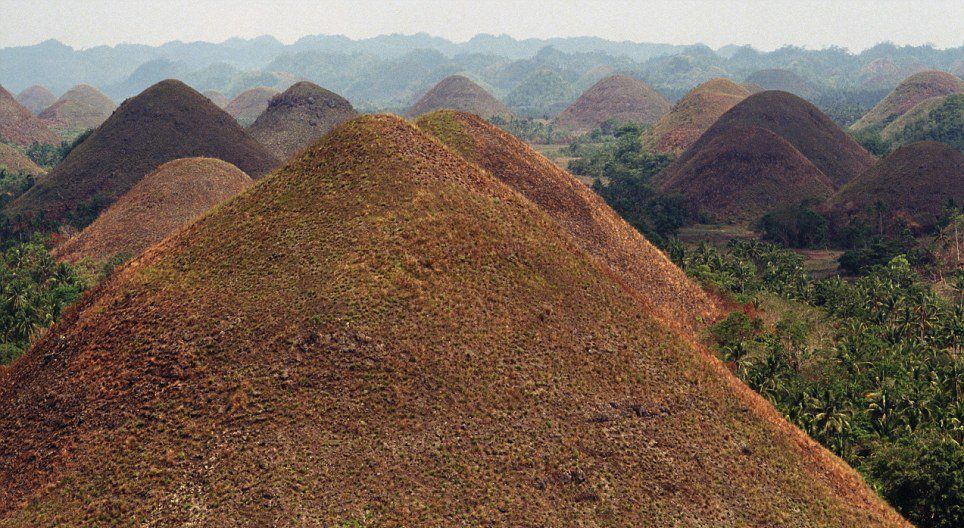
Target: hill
x=457 y=92
x=249 y=104
x=596 y=228
x=13 y=160
x=783 y=80
x=217 y=98
x=19 y=127
x=299 y=117
x=617 y=97
x=167 y=121
x=913 y=184
x=165 y=200
x=83 y=107
x=543 y=93
x=804 y=126
x=938 y=118
x=36 y=98
x=909 y=93
x=744 y=173
x=381 y=333
x=694 y=114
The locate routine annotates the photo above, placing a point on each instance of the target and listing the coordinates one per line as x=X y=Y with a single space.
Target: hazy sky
x=766 y=24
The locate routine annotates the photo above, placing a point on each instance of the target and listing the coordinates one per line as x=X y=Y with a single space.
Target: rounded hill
x=83 y=107
x=249 y=104
x=744 y=173
x=799 y=122
x=167 y=121
x=36 y=98
x=694 y=114
x=20 y=127
x=543 y=93
x=13 y=160
x=299 y=117
x=783 y=80
x=618 y=97
x=217 y=98
x=908 y=94
x=384 y=315
x=458 y=92
x=911 y=186
x=595 y=227
x=165 y=200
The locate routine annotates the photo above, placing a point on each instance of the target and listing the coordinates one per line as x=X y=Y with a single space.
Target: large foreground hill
x=382 y=333
x=165 y=122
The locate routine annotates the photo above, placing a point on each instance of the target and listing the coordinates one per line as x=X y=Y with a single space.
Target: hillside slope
x=83 y=107
x=19 y=127
x=249 y=104
x=13 y=160
x=909 y=93
x=694 y=114
x=617 y=97
x=381 y=333
x=36 y=98
x=458 y=92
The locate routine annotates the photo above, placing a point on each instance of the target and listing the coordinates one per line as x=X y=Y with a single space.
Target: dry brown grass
x=249 y=104
x=457 y=92
x=15 y=161
x=618 y=97
x=83 y=107
x=694 y=114
x=36 y=98
x=908 y=94
x=19 y=126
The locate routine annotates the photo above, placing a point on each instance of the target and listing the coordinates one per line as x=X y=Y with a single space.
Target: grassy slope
x=382 y=333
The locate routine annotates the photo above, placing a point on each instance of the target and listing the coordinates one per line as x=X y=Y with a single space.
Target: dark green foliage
x=870 y=139
x=945 y=124
x=13 y=184
x=34 y=290
x=872 y=368
x=797 y=227
x=49 y=155
x=532 y=130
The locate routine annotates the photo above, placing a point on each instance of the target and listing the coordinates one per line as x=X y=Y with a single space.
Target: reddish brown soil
x=618 y=97
x=460 y=93
x=19 y=127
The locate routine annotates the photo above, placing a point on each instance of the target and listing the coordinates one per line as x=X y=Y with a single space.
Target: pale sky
x=765 y=24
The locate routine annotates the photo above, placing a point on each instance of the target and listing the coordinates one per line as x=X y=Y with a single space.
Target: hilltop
x=909 y=93
x=741 y=174
x=457 y=92
x=596 y=228
x=165 y=122
x=912 y=185
x=299 y=117
x=12 y=159
x=20 y=127
x=799 y=122
x=694 y=114
x=162 y=202
x=783 y=80
x=617 y=97
x=36 y=98
x=83 y=107
x=249 y=104
x=382 y=333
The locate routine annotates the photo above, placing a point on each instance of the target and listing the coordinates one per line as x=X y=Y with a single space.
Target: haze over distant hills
x=391 y=71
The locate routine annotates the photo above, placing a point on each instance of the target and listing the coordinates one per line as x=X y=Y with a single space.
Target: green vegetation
x=945 y=124
x=798 y=227
x=47 y=155
x=532 y=130
x=13 y=184
x=872 y=368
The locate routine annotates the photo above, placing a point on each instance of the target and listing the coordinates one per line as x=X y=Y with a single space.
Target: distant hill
x=83 y=107
x=694 y=114
x=162 y=202
x=167 y=121
x=939 y=118
x=36 y=98
x=742 y=173
x=618 y=97
x=20 y=127
x=804 y=126
x=909 y=93
x=783 y=80
x=13 y=160
x=913 y=185
x=217 y=98
x=298 y=117
x=593 y=225
x=544 y=93
x=460 y=93
x=248 y=105
x=382 y=333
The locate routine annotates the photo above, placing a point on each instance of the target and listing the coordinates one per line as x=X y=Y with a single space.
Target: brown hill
x=13 y=160
x=172 y=196
x=694 y=114
x=913 y=184
x=249 y=104
x=784 y=81
x=804 y=126
x=381 y=333
x=83 y=107
x=217 y=98
x=18 y=126
x=460 y=93
x=740 y=175
x=36 y=98
x=616 y=97
x=299 y=117
x=596 y=228
x=167 y=121
x=908 y=93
